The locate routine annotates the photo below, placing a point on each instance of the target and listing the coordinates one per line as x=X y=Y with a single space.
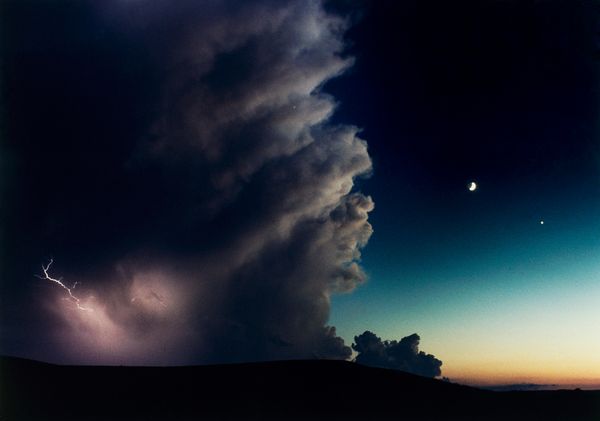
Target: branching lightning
x=72 y=297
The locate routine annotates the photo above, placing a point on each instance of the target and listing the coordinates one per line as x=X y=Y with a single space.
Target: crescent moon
x=472 y=186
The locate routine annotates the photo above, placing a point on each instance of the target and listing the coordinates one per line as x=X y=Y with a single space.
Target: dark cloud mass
x=176 y=159
x=399 y=355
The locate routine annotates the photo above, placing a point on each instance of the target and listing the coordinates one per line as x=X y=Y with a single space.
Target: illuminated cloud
x=233 y=217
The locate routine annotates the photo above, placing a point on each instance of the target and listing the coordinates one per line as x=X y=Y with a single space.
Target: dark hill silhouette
x=283 y=390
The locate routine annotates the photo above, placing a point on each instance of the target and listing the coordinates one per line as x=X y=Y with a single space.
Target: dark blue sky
x=502 y=93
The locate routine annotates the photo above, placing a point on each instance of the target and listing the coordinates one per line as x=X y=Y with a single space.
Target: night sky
x=504 y=93
x=241 y=181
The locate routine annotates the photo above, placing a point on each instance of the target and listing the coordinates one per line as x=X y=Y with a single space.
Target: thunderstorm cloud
x=178 y=160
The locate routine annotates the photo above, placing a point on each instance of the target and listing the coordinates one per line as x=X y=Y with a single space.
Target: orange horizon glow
x=511 y=330
x=567 y=373
x=494 y=379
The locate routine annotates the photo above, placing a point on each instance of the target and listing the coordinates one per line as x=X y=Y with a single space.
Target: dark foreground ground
x=293 y=390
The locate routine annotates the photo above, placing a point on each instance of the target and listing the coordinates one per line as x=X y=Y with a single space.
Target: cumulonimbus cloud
x=241 y=188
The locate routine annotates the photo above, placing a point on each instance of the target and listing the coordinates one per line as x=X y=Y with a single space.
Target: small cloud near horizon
x=401 y=355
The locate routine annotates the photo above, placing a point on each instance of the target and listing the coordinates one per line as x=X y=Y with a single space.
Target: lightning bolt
x=72 y=297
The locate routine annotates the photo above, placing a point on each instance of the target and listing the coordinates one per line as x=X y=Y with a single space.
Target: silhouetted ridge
x=303 y=390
